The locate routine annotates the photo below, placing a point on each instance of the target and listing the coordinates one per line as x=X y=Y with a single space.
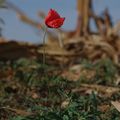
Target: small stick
x=60 y=40
x=44 y=47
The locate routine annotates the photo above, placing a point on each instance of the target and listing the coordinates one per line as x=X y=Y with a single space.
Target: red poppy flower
x=53 y=19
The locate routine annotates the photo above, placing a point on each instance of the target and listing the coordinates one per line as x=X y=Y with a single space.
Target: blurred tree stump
x=84 y=8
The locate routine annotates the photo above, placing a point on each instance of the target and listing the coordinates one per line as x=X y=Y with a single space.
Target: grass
x=26 y=94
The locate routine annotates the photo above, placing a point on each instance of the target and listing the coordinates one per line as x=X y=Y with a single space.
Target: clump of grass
x=79 y=108
x=52 y=91
x=105 y=71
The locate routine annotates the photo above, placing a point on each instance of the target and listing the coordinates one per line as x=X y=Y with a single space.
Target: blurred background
x=17 y=30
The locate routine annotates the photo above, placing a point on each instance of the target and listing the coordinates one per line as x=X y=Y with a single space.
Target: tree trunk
x=84 y=8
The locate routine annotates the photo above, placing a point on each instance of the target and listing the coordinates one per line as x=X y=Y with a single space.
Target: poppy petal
x=56 y=23
x=52 y=14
